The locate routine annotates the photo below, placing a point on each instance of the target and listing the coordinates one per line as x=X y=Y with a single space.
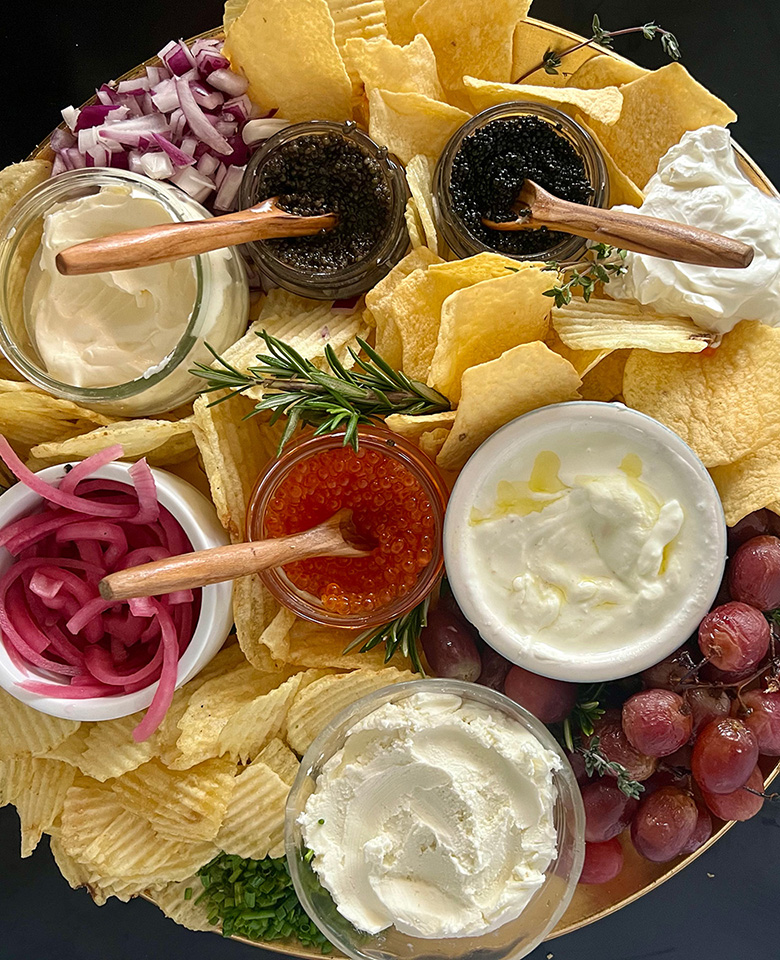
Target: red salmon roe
x=390 y=508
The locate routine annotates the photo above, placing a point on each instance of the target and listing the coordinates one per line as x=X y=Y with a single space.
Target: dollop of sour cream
x=436 y=817
x=109 y=328
x=699 y=182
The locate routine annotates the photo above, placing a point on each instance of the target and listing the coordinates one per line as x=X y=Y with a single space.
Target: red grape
x=664 y=778
x=754 y=573
x=664 y=824
x=614 y=744
x=494 y=668
x=706 y=704
x=577 y=762
x=608 y=811
x=741 y=804
x=548 y=700
x=448 y=641
x=701 y=832
x=656 y=722
x=667 y=674
x=724 y=754
x=734 y=637
x=603 y=862
x=753 y=525
x=763 y=720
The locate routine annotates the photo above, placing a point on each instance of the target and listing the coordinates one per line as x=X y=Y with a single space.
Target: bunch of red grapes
x=689 y=730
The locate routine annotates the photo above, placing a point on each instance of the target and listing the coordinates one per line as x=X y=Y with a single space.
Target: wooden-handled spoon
x=632 y=231
x=335 y=537
x=173 y=241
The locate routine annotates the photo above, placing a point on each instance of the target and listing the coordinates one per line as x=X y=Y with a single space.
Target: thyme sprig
x=402 y=634
x=587 y=710
x=293 y=387
x=607 y=262
x=552 y=60
x=596 y=762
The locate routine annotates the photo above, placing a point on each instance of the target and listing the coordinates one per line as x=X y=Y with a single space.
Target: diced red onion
x=157 y=166
x=227 y=195
x=107 y=94
x=193 y=183
x=256 y=130
x=177 y=57
x=219 y=174
x=71 y=116
x=197 y=120
x=205 y=98
x=189 y=145
x=178 y=157
x=96 y=114
x=207 y=165
x=156 y=75
x=164 y=96
x=233 y=84
x=136 y=87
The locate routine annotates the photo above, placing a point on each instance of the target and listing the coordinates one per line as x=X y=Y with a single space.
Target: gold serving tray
x=639 y=876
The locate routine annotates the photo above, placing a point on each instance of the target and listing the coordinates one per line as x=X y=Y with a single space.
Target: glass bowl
x=457 y=235
x=218 y=314
x=348 y=281
x=511 y=941
x=370 y=438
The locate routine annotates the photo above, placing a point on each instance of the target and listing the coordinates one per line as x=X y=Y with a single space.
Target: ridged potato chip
x=400 y=28
x=529 y=48
x=493 y=393
x=412 y=427
x=603 y=381
x=382 y=64
x=71 y=749
x=471 y=37
x=361 y=19
x=37 y=788
x=313 y=645
x=604 y=70
x=409 y=124
x=432 y=441
x=316 y=705
x=100 y=886
x=24 y=730
x=287 y=51
x=414 y=225
x=162 y=442
x=280 y=758
x=604 y=105
x=253 y=725
x=419 y=176
x=254 y=610
x=583 y=361
x=616 y=325
x=254 y=824
x=186 y=912
x=482 y=321
x=657 y=110
x=180 y=805
x=724 y=403
x=110 y=750
x=622 y=188
x=751 y=483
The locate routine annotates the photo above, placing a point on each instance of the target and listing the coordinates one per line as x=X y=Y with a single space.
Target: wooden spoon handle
x=173 y=241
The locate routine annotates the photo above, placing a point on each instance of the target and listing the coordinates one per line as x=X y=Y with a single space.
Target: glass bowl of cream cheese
x=120 y=342
x=435 y=819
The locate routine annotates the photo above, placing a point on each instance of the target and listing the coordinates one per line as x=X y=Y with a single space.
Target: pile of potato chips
x=127 y=818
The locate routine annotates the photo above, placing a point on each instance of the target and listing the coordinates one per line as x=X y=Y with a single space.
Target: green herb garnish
x=607 y=262
x=586 y=711
x=295 y=388
x=552 y=59
x=402 y=633
x=256 y=899
x=596 y=762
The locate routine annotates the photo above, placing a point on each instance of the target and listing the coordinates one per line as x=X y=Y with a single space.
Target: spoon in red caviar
x=335 y=537
x=631 y=231
x=174 y=241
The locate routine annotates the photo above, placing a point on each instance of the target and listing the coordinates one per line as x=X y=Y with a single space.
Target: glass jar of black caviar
x=319 y=167
x=482 y=168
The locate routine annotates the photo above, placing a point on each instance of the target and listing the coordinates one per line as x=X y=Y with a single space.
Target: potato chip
x=28 y=416
x=617 y=324
x=71 y=749
x=186 y=911
x=254 y=610
x=414 y=225
x=313 y=645
x=432 y=441
x=24 y=730
x=419 y=176
x=400 y=27
x=583 y=361
x=37 y=788
x=412 y=427
x=17 y=179
x=254 y=823
x=161 y=441
x=604 y=70
x=280 y=758
x=318 y=703
x=179 y=804
x=287 y=51
x=657 y=110
x=622 y=188
x=482 y=321
x=604 y=105
x=529 y=49
x=257 y=722
x=110 y=750
x=357 y=19
x=381 y=64
x=471 y=37
x=751 y=483
x=411 y=123
x=493 y=393
x=100 y=886
x=604 y=381
x=724 y=403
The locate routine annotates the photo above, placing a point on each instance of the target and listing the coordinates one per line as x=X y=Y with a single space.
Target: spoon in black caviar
x=536 y=207
x=174 y=241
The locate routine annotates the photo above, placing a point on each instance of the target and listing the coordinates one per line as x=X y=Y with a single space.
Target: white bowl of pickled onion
x=197 y=518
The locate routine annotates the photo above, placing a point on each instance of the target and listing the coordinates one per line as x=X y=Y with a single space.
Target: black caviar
x=488 y=173
x=328 y=173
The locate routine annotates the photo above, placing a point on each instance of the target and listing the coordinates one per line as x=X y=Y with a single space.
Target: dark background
x=725 y=905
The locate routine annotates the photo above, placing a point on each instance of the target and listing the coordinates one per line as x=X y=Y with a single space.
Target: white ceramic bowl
x=552 y=427
x=198 y=518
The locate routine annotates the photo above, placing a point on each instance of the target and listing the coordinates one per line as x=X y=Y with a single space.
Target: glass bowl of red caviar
x=398 y=498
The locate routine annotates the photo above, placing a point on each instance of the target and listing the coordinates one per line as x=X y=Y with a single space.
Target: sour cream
x=584 y=541
x=436 y=817
x=699 y=182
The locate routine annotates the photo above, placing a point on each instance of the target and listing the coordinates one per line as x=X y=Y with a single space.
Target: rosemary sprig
x=607 y=262
x=295 y=388
x=402 y=633
x=596 y=762
x=586 y=711
x=553 y=59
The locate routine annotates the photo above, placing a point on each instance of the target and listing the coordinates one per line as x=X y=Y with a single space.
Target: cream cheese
x=699 y=182
x=436 y=817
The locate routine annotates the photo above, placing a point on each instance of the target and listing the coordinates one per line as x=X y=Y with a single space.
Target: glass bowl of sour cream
x=435 y=819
